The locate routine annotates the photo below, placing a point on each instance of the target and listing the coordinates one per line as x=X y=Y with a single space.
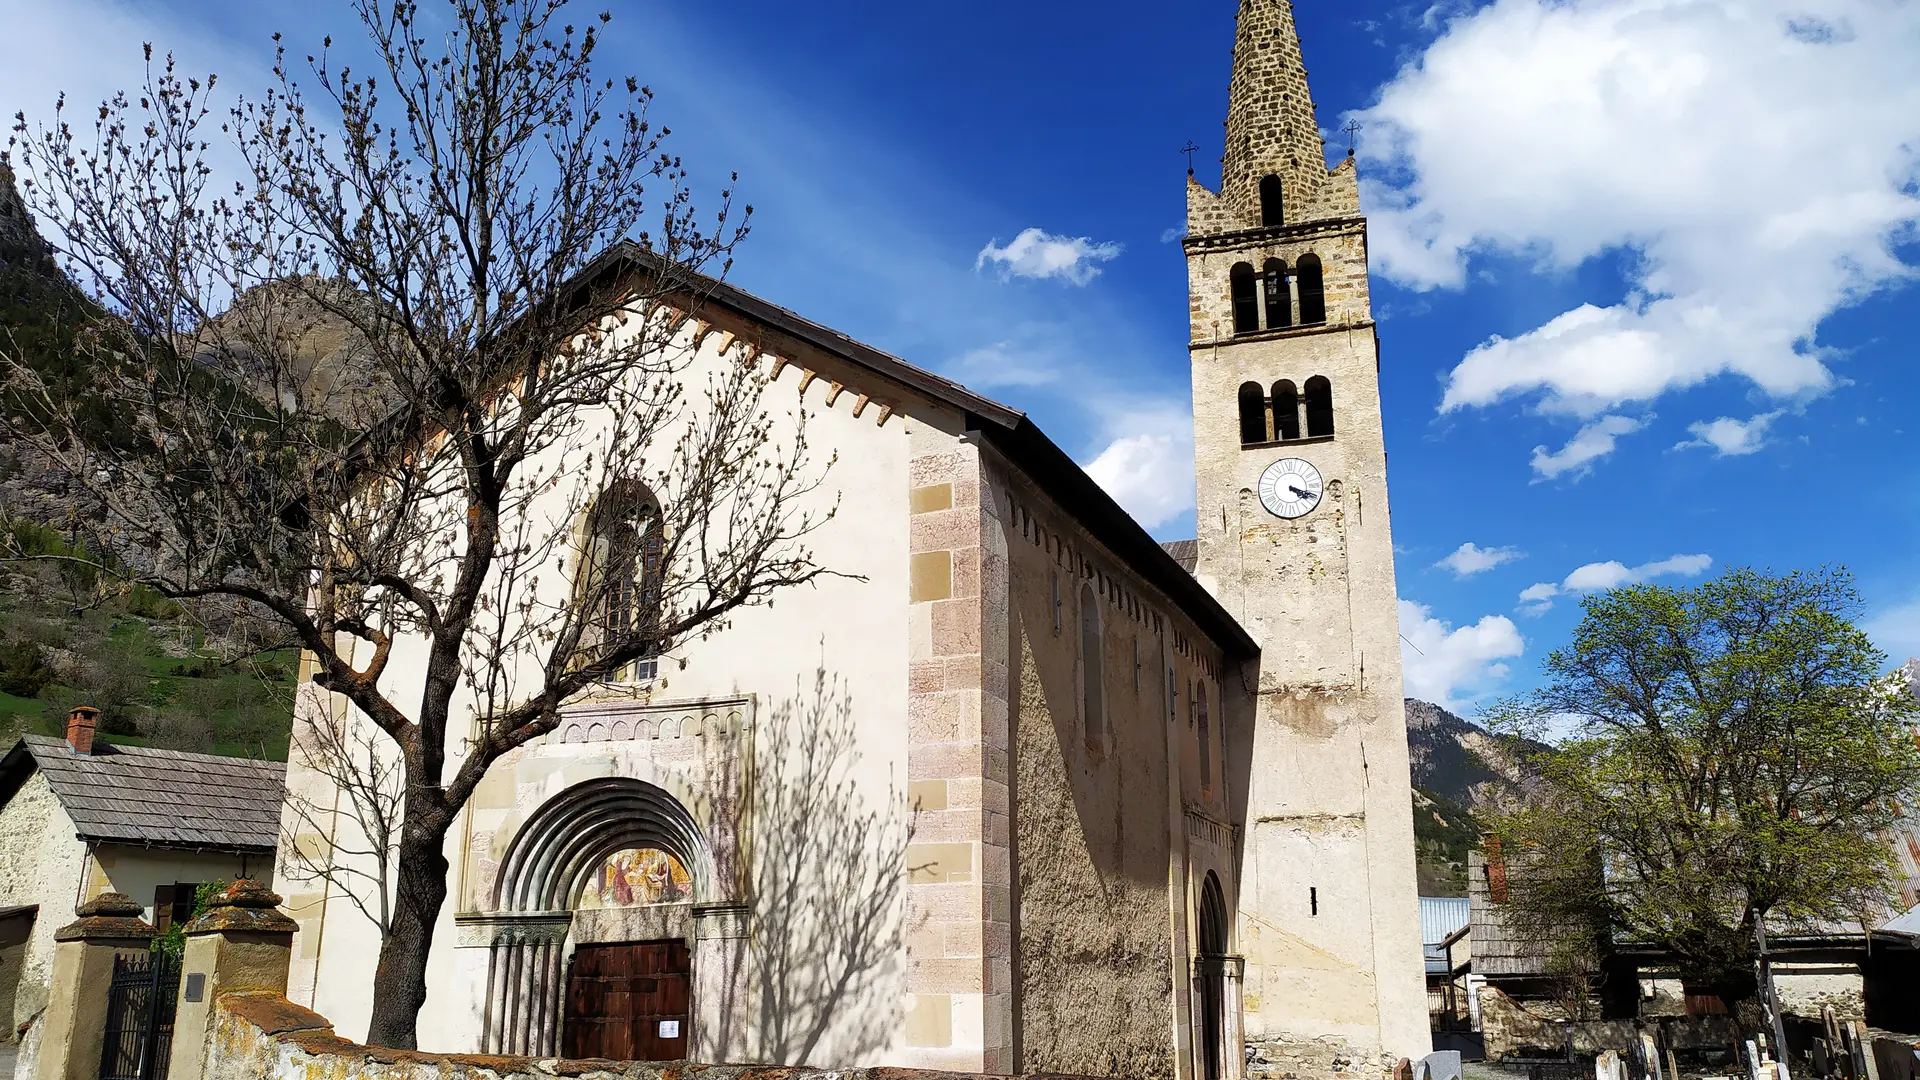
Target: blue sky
x=1642 y=267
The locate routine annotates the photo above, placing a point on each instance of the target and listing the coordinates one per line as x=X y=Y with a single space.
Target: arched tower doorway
x=618 y=847
x=1210 y=974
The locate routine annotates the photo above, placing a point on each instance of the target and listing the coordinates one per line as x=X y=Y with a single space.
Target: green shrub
x=23 y=669
x=173 y=943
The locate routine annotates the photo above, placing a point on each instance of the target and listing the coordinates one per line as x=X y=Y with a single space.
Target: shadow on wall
x=826 y=881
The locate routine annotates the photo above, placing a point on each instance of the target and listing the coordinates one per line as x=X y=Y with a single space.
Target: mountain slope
x=1458 y=769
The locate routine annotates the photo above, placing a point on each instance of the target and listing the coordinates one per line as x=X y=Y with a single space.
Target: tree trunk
x=1740 y=992
x=400 y=981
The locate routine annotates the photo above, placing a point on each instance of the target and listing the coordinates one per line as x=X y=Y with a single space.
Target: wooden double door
x=629 y=1002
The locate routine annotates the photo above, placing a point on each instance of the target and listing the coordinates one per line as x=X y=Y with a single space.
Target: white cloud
x=1591 y=443
x=1150 y=475
x=1173 y=235
x=1005 y=364
x=1600 y=576
x=1728 y=437
x=1470 y=559
x=1897 y=630
x=1538 y=599
x=1445 y=665
x=1036 y=253
x=1757 y=156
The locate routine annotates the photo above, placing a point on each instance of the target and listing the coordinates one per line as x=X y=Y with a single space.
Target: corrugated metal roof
x=1906 y=924
x=1441 y=917
x=164 y=798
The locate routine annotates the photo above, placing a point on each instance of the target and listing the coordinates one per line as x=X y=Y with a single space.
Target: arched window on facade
x=1286 y=411
x=1246 y=299
x=1272 y=202
x=1313 y=290
x=623 y=564
x=1092 y=681
x=1319 y=407
x=1253 y=415
x=1279 y=304
x=1206 y=737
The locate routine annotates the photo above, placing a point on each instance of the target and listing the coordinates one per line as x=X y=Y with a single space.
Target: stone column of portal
x=719 y=982
x=243 y=942
x=1233 y=1057
x=73 y=1034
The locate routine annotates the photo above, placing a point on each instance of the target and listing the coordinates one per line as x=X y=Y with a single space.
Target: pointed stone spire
x=1271 y=126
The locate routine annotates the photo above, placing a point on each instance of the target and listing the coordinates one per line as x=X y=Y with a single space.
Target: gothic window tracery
x=621 y=583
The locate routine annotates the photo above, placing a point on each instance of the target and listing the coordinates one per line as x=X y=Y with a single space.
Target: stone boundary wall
x=260 y=1036
x=1298 y=1057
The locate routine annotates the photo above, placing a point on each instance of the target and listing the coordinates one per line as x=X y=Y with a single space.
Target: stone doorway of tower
x=629 y=1002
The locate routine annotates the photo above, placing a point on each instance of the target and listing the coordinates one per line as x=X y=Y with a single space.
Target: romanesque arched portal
x=562 y=856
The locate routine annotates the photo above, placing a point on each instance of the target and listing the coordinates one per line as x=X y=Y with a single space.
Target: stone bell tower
x=1294 y=539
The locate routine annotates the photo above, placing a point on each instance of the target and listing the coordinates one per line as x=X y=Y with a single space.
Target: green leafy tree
x=1736 y=760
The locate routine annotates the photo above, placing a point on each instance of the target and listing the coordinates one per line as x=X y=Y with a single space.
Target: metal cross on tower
x=1352 y=130
x=1189 y=150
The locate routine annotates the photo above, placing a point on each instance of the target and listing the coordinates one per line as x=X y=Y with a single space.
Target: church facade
x=1022 y=790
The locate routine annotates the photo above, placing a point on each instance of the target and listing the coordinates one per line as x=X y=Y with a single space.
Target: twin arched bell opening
x=1276 y=298
x=1276 y=417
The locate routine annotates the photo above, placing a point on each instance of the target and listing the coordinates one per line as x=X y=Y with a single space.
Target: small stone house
x=80 y=818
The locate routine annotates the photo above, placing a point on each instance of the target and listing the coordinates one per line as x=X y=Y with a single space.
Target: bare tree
x=345 y=834
x=388 y=398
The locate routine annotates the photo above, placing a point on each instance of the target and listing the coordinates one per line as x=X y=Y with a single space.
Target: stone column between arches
x=958 y=1009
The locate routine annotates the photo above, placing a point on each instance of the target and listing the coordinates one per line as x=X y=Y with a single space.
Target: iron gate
x=140 y=1006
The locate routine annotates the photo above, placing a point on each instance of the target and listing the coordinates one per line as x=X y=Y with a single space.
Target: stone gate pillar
x=73 y=1034
x=243 y=942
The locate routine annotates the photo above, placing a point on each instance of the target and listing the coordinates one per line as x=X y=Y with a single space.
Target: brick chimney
x=80 y=724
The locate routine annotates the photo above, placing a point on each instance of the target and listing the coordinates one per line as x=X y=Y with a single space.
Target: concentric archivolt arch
x=567 y=839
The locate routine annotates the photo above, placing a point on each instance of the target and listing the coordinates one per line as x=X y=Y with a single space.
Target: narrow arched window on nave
x=1092 y=668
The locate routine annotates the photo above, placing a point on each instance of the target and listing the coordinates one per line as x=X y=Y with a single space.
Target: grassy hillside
x=69 y=638
x=156 y=677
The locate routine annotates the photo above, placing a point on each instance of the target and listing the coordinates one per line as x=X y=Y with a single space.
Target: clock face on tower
x=1291 y=488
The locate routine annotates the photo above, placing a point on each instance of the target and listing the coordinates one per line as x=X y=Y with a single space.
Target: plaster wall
x=823 y=672
x=1100 y=872
x=40 y=863
x=138 y=871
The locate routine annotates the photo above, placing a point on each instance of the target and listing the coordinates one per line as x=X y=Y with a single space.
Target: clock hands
x=1302 y=494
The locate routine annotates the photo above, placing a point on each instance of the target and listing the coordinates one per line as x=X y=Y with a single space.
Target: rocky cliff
x=1459 y=771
